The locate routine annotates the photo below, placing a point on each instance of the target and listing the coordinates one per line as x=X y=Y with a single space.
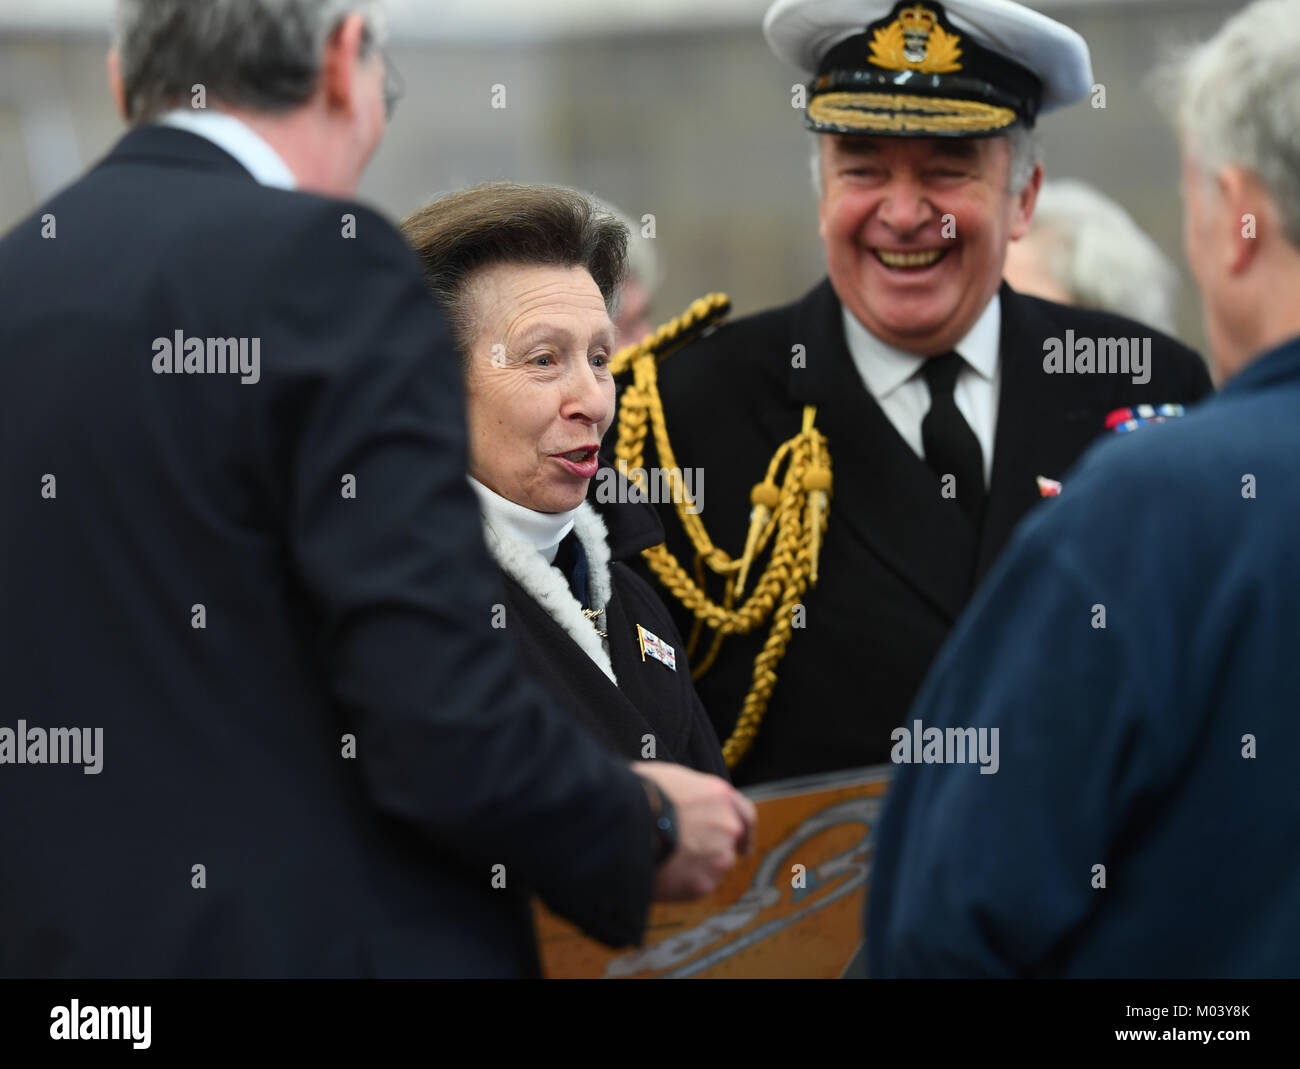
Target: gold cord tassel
x=765 y=497
x=789 y=514
x=818 y=484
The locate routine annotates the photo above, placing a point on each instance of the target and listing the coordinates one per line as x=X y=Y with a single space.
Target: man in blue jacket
x=1129 y=669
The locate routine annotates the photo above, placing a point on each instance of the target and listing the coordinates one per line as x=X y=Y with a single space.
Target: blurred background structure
x=673 y=109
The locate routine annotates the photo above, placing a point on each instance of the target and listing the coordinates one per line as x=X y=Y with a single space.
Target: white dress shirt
x=237 y=138
x=893 y=377
x=544 y=531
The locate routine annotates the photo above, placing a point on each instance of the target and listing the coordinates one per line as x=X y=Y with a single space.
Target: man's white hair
x=1237 y=101
x=1096 y=253
x=1026 y=154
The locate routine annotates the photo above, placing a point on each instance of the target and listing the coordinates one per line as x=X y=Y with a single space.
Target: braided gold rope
x=794 y=527
x=895 y=112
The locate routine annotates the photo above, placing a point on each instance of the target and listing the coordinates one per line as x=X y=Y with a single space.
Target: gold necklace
x=592 y=615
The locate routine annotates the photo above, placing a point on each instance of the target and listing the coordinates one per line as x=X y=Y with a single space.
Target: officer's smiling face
x=916 y=232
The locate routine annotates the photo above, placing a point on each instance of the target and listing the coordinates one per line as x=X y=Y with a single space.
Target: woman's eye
x=542 y=361
x=600 y=360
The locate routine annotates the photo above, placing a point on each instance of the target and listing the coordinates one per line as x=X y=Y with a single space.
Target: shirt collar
x=232 y=135
x=544 y=531
x=884 y=368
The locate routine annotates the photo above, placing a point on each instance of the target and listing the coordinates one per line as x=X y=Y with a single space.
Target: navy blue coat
x=1127 y=746
x=326 y=615
x=650 y=698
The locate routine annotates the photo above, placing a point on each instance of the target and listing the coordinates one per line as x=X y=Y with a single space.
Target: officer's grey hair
x=259 y=54
x=1096 y=253
x=1236 y=99
x=1026 y=154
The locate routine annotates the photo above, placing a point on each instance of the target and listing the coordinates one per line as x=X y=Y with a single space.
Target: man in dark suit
x=257 y=720
x=939 y=390
x=1132 y=656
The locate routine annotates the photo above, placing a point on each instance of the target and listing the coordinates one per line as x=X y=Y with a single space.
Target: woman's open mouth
x=581 y=462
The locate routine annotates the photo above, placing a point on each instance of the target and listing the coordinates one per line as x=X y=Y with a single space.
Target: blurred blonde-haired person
x=1082 y=248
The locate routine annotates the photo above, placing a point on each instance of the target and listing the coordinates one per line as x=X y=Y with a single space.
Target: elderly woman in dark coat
x=526 y=275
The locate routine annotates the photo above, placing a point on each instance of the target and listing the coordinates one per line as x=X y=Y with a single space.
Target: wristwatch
x=665 y=832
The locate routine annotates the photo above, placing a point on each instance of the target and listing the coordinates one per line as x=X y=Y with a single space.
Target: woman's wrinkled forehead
x=517 y=305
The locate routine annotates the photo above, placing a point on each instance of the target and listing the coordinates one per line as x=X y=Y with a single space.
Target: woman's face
x=539 y=393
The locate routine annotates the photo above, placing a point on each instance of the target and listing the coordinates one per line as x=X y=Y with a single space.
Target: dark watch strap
x=665 y=818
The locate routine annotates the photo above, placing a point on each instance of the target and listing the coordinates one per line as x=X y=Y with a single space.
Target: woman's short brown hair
x=461 y=233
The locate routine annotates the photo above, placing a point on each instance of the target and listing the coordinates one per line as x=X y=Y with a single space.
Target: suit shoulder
x=346 y=261
x=335 y=230
x=1185 y=472
x=287 y=234
x=1095 y=323
x=1177 y=373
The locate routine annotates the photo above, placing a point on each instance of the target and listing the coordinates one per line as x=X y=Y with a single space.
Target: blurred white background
x=670 y=107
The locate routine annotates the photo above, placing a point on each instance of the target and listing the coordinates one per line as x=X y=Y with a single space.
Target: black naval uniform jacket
x=650 y=698
x=898 y=563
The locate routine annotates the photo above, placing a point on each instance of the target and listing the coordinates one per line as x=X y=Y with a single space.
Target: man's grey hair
x=264 y=55
x=1236 y=99
x=1097 y=254
x=1026 y=155
x=1023 y=141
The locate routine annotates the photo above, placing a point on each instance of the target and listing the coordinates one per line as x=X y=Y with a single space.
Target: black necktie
x=951 y=447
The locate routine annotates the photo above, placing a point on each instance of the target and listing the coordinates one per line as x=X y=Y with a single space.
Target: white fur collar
x=548 y=587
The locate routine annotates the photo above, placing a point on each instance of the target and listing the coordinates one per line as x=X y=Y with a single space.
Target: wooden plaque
x=768 y=918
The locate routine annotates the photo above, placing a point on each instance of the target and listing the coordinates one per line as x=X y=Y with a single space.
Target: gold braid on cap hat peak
x=790 y=516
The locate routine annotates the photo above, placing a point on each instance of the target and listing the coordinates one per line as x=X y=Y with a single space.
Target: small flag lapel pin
x=656 y=647
x=1048 y=487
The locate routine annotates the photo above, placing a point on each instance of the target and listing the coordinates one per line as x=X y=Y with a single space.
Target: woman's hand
x=715 y=822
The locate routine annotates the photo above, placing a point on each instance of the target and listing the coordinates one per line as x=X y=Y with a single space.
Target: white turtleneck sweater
x=524 y=544
x=544 y=531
